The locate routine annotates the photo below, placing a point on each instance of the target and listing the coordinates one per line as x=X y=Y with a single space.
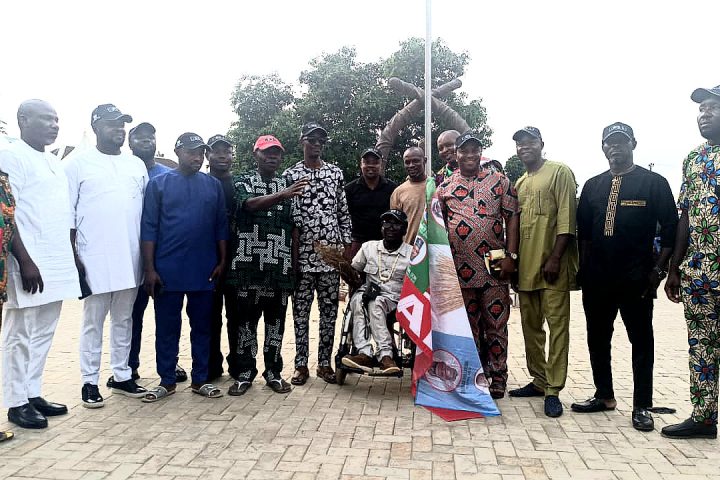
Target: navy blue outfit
x=142 y=298
x=185 y=216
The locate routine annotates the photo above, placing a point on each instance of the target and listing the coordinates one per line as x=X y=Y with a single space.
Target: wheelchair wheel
x=340 y=375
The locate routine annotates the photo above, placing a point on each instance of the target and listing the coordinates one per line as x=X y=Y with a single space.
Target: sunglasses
x=315 y=140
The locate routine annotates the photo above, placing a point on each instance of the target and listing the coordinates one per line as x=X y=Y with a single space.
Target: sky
x=569 y=68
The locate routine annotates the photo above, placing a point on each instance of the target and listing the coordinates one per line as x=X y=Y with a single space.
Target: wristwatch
x=512 y=255
x=660 y=272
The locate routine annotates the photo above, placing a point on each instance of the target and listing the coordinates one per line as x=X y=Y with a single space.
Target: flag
x=448 y=377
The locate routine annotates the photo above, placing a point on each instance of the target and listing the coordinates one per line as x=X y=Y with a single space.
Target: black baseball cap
x=396 y=214
x=371 y=151
x=618 y=127
x=218 y=138
x=311 y=127
x=532 y=131
x=142 y=126
x=702 y=94
x=190 y=141
x=466 y=137
x=108 y=111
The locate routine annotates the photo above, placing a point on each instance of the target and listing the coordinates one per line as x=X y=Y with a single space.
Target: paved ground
x=368 y=428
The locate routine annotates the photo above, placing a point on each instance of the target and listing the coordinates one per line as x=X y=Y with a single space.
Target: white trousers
x=96 y=307
x=378 y=310
x=27 y=334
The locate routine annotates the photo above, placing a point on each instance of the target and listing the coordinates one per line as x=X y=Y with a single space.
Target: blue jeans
x=168 y=322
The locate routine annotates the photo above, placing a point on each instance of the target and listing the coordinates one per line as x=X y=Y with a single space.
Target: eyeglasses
x=388 y=224
x=315 y=140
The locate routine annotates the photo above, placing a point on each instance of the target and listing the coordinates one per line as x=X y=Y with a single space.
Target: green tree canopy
x=352 y=100
x=514 y=168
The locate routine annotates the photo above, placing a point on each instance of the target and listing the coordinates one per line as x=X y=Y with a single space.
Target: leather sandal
x=326 y=373
x=301 y=375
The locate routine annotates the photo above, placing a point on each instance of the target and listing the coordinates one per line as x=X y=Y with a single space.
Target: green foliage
x=352 y=100
x=514 y=168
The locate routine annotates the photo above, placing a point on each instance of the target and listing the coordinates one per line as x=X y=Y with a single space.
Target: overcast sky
x=568 y=67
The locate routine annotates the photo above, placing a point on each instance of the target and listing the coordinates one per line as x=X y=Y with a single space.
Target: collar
x=404 y=250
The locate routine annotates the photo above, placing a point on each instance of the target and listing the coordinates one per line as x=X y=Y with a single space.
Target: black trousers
x=272 y=309
x=215 y=364
x=601 y=308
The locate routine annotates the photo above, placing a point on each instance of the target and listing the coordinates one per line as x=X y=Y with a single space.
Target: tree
x=2 y=128
x=514 y=168
x=352 y=100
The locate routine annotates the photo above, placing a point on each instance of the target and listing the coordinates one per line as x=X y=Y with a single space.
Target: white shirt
x=43 y=219
x=106 y=198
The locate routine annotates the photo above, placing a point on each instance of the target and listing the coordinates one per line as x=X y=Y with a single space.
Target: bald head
x=38 y=123
x=446 y=147
x=414 y=161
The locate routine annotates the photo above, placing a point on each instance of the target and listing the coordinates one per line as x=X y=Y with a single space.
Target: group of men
x=117 y=229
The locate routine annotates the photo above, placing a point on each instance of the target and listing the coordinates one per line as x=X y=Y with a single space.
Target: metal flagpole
x=428 y=88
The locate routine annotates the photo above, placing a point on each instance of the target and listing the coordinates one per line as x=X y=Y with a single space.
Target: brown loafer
x=300 y=377
x=327 y=374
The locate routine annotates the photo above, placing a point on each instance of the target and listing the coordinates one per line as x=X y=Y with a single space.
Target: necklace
x=384 y=275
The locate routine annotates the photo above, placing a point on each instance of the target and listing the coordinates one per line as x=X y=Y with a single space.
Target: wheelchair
x=403 y=349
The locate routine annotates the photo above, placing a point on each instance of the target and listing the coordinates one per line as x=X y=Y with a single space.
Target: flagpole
x=428 y=88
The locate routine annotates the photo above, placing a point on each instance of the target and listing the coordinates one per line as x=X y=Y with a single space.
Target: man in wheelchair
x=382 y=263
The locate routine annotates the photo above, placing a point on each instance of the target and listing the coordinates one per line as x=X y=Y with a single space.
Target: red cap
x=266 y=141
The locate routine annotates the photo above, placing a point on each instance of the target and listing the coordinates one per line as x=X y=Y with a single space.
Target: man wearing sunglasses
x=321 y=215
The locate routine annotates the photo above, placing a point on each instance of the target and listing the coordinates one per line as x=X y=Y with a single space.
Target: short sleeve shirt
x=476 y=209
x=383 y=268
x=548 y=205
x=699 y=198
x=261 y=257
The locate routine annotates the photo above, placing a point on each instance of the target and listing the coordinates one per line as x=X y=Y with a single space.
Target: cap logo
x=112 y=109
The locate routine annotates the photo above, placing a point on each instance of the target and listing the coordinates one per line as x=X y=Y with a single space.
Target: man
x=141 y=140
x=321 y=215
x=480 y=207
x=695 y=268
x=41 y=269
x=618 y=216
x=184 y=243
x=548 y=261
x=368 y=197
x=261 y=268
x=446 y=150
x=409 y=196
x=106 y=196
x=220 y=158
x=383 y=264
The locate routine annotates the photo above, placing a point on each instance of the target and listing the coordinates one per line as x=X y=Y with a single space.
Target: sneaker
x=91 y=396
x=359 y=361
x=388 y=366
x=128 y=388
x=553 y=407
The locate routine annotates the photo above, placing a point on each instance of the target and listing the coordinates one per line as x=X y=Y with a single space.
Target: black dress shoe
x=26 y=416
x=49 y=409
x=642 y=420
x=590 y=405
x=529 y=390
x=690 y=429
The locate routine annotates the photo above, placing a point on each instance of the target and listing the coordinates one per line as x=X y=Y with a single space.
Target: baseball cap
x=532 y=131
x=142 y=126
x=618 y=127
x=266 y=141
x=310 y=127
x=218 y=138
x=371 y=151
x=190 y=141
x=466 y=137
x=702 y=94
x=108 y=111
x=396 y=214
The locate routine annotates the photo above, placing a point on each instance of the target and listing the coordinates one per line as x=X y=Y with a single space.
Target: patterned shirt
x=7 y=227
x=321 y=212
x=260 y=246
x=699 y=197
x=476 y=209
